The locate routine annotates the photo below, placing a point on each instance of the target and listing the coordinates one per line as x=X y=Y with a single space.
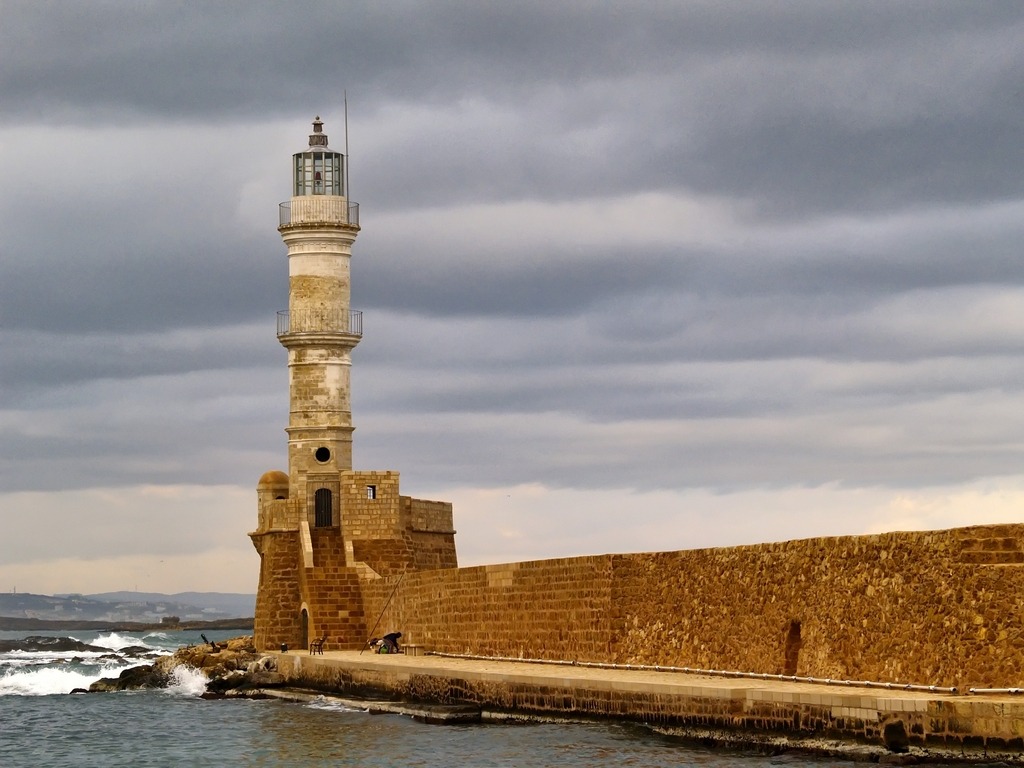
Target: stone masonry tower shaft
x=319 y=330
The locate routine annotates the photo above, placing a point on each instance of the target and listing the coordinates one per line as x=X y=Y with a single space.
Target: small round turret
x=273 y=480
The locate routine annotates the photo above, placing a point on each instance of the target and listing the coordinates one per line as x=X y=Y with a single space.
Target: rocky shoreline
x=233 y=667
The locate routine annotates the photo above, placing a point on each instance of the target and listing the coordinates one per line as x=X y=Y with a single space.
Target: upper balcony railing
x=349 y=211
x=320 y=321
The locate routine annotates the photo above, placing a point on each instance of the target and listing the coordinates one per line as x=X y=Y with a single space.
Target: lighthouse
x=326 y=530
x=319 y=225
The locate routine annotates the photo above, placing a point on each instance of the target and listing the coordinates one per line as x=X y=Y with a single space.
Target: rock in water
x=224 y=664
x=36 y=643
x=133 y=678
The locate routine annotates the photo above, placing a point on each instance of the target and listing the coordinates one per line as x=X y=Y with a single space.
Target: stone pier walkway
x=773 y=714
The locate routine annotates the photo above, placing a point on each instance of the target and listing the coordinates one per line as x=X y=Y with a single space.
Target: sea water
x=43 y=724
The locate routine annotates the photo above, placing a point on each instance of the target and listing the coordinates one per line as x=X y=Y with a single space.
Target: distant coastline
x=19 y=624
x=127 y=610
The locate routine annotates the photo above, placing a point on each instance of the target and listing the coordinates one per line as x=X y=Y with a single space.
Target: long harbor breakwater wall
x=908 y=643
x=939 y=608
x=766 y=715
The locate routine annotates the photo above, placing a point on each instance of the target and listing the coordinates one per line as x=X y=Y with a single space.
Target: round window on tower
x=322 y=454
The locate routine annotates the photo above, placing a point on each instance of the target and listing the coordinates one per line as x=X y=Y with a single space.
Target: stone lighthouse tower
x=319 y=330
x=326 y=530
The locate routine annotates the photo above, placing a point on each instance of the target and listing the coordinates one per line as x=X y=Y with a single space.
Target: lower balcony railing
x=320 y=321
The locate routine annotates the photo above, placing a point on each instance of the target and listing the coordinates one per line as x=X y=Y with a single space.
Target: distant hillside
x=121 y=607
x=34 y=625
x=230 y=604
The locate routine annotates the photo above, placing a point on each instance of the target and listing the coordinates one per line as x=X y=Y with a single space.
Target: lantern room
x=319 y=170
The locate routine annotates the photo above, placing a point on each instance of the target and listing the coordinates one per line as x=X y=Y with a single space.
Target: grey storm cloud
x=799 y=107
x=667 y=245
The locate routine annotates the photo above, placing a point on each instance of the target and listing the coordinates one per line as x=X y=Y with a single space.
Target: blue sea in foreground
x=41 y=724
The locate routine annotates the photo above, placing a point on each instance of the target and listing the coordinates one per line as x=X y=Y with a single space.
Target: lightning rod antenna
x=348 y=160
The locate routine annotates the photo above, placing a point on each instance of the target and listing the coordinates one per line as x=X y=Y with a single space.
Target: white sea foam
x=52 y=680
x=332 y=705
x=187 y=681
x=48 y=657
x=116 y=642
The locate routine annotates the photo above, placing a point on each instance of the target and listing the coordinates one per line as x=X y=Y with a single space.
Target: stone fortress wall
x=937 y=608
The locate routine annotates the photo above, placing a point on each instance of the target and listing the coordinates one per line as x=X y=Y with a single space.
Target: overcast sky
x=634 y=276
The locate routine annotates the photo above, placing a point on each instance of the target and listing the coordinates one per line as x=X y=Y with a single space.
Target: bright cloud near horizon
x=635 y=277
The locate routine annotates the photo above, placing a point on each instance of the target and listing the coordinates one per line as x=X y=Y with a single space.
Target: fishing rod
x=382 y=611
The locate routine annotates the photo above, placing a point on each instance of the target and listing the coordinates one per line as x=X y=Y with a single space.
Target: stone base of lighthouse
x=312 y=576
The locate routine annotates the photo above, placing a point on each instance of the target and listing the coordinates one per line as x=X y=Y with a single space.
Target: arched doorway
x=304 y=625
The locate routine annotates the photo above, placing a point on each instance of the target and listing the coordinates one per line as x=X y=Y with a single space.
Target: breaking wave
x=41 y=665
x=47 y=681
x=117 y=642
x=187 y=681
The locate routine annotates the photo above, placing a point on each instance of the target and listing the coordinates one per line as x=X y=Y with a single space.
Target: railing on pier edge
x=320 y=321
x=285 y=214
